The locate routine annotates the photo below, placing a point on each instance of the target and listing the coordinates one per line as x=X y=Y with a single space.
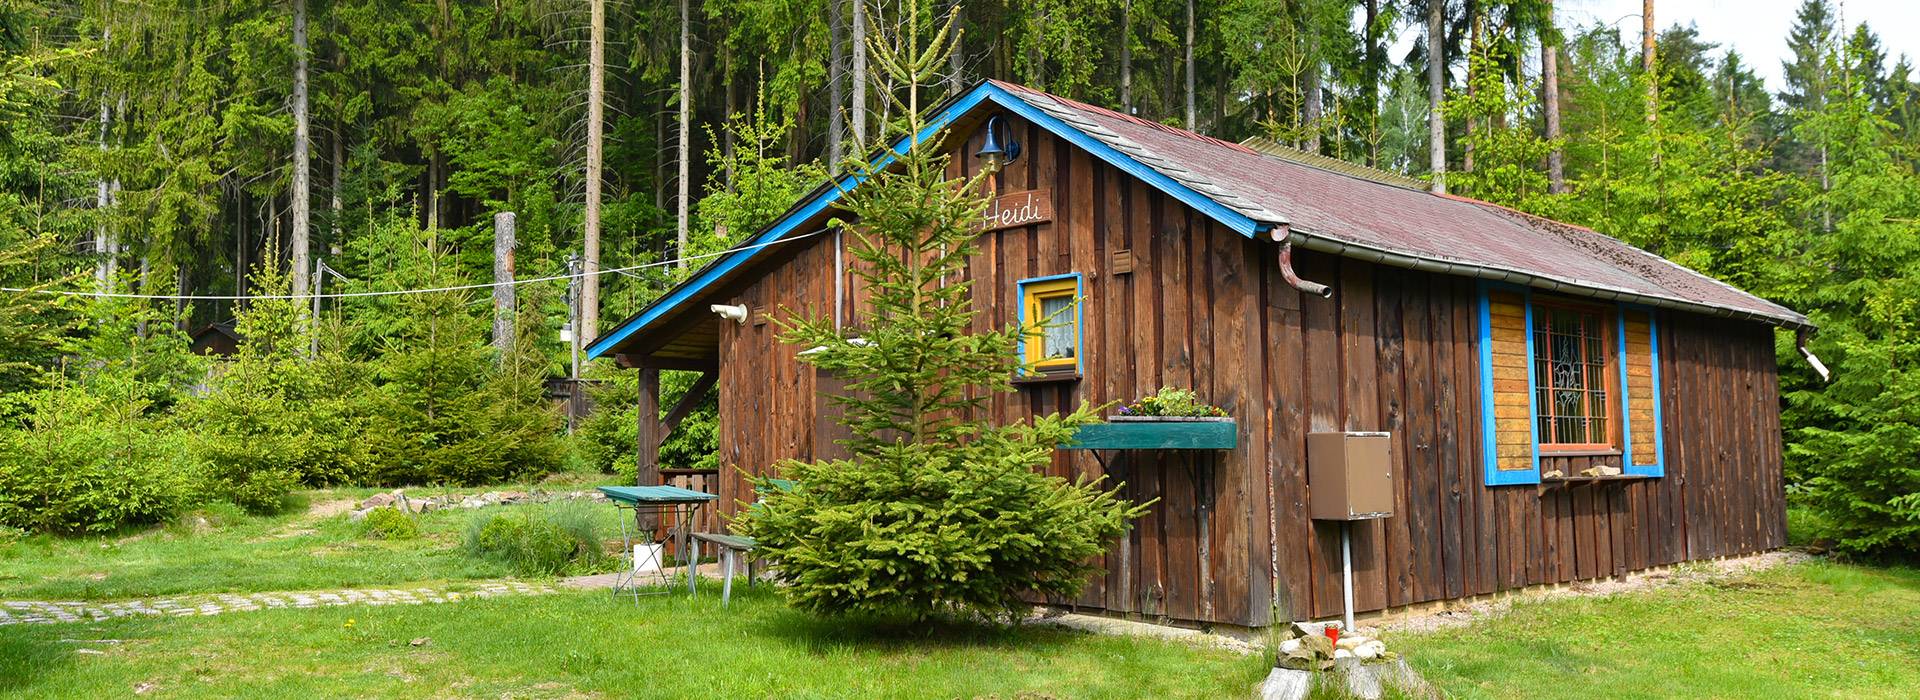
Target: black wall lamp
x=999 y=148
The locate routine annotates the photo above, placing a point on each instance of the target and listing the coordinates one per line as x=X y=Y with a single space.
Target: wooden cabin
x=1504 y=354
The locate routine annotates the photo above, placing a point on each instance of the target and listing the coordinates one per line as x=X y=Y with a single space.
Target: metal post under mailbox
x=1349 y=477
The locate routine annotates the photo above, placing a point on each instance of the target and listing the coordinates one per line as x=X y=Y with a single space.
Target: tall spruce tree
x=937 y=510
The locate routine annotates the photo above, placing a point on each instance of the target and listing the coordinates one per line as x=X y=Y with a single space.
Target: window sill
x=1575 y=480
x=1046 y=377
x=1578 y=452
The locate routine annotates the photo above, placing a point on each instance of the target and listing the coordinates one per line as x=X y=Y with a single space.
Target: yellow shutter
x=1512 y=410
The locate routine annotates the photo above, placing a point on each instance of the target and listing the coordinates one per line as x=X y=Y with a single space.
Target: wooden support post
x=647 y=449
x=647 y=444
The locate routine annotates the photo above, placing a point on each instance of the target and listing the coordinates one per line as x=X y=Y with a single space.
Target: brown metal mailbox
x=1350 y=476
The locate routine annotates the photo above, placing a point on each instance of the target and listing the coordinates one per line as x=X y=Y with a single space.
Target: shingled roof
x=1264 y=190
x=1347 y=212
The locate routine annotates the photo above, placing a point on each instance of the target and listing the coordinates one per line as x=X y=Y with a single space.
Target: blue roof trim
x=1187 y=195
x=780 y=229
x=707 y=276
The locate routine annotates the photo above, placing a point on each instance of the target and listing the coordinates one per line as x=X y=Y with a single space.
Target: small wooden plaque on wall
x=1016 y=209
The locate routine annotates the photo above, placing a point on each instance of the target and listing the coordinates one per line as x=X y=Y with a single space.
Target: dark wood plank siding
x=1205 y=307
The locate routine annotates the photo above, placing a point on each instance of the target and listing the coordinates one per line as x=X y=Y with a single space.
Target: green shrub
x=81 y=463
x=389 y=524
x=561 y=540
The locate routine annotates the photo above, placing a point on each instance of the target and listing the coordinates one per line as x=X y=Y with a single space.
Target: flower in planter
x=1172 y=402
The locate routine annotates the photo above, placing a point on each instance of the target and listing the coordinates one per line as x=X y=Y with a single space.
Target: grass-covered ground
x=223 y=551
x=1818 y=629
x=590 y=644
x=1812 y=630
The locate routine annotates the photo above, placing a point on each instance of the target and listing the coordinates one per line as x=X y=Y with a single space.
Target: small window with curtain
x=1048 y=307
x=1573 y=398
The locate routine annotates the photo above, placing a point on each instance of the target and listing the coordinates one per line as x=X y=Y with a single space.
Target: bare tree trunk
x=686 y=133
x=503 y=297
x=956 y=59
x=1476 y=38
x=1126 y=56
x=1646 y=60
x=596 y=110
x=836 y=85
x=1192 y=123
x=860 y=75
x=339 y=164
x=1436 y=66
x=1374 y=60
x=103 y=243
x=1314 y=108
x=300 y=239
x=1550 y=103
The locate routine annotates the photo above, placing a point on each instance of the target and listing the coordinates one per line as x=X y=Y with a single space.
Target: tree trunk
x=1436 y=67
x=836 y=85
x=300 y=238
x=1476 y=38
x=103 y=243
x=503 y=292
x=590 y=233
x=957 y=58
x=1375 y=59
x=339 y=164
x=1646 y=60
x=859 y=75
x=1192 y=123
x=1126 y=56
x=686 y=134
x=1550 y=104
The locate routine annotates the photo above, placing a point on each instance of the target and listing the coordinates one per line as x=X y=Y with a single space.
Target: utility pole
x=574 y=285
x=318 y=280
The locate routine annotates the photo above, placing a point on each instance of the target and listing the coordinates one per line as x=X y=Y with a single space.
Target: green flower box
x=1157 y=433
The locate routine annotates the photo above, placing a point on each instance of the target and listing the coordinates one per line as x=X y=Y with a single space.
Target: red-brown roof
x=1367 y=218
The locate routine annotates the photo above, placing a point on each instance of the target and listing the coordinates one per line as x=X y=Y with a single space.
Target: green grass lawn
x=226 y=552
x=590 y=644
x=1814 y=630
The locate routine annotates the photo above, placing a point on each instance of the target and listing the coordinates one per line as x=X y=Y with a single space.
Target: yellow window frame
x=1034 y=295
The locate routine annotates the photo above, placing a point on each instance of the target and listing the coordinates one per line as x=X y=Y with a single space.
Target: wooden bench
x=732 y=549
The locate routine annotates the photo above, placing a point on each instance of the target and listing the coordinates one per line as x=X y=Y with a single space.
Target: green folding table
x=684 y=504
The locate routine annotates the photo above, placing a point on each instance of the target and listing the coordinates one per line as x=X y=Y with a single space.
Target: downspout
x=1286 y=267
x=1800 y=338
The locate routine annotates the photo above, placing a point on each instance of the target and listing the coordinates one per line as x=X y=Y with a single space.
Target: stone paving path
x=30 y=612
x=17 y=612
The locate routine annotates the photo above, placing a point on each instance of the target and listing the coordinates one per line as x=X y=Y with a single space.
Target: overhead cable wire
x=403 y=292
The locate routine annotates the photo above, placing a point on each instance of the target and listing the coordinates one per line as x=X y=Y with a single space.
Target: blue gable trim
x=1489 y=445
x=786 y=226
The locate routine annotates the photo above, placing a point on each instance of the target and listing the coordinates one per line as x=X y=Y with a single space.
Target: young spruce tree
x=937 y=511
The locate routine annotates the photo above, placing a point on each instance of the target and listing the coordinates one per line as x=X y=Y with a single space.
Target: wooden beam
x=647 y=447
x=647 y=443
x=695 y=394
x=634 y=361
